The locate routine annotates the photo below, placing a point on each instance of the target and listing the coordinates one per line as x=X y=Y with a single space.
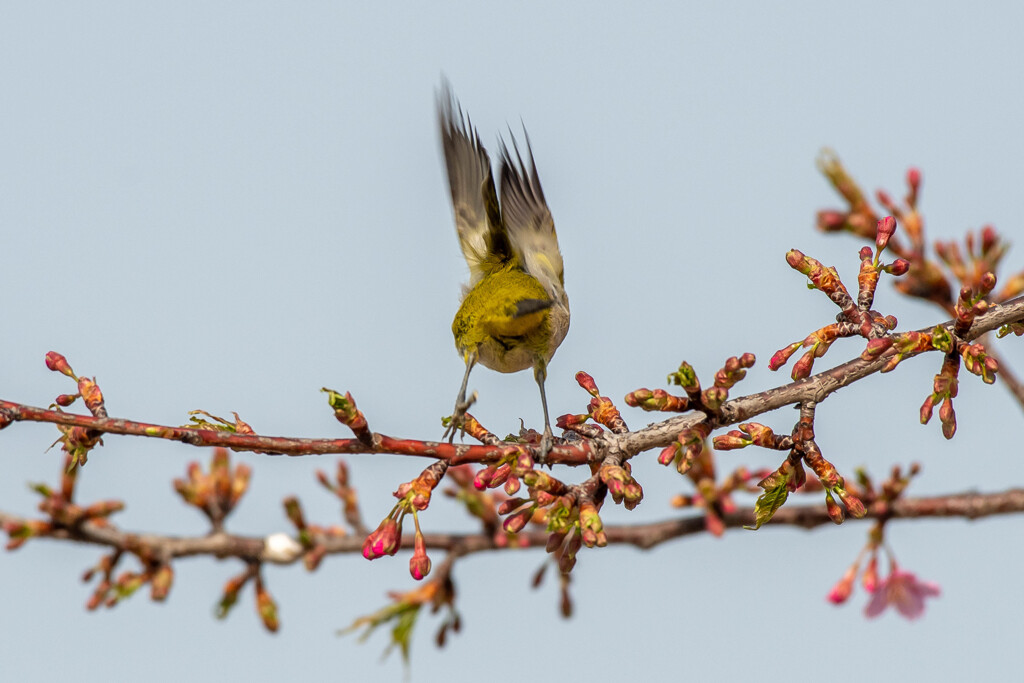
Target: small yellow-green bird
x=514 y=310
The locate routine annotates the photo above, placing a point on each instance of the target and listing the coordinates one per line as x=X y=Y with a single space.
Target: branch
x=816 y=388
x=252 y=548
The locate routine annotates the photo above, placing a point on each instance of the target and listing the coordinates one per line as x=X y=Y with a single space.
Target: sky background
x=227 y=206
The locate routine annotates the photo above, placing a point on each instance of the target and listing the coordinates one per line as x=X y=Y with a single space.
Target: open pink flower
x=902 y=590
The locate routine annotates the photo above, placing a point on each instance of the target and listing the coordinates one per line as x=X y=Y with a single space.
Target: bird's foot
x=457 y=421
x=547 y=442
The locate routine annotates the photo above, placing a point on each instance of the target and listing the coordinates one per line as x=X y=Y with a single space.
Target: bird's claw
x=457 y=421
x=547 y=442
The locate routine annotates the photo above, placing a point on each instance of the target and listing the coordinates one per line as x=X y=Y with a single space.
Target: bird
x=514 y=312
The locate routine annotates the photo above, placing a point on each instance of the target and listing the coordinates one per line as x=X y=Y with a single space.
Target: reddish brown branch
x=815 y=388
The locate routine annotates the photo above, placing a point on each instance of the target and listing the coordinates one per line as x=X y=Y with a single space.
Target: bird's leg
x=547 y=440
x=457 y=422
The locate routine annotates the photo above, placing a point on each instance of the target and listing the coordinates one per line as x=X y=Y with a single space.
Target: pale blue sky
x=229 y=205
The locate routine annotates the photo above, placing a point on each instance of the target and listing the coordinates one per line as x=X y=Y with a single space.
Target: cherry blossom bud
x=842 y=590
x=385 y=540
x=58 y=363
x=419 y=563
x=885 y=229
x=869 y=579
x=898 y=267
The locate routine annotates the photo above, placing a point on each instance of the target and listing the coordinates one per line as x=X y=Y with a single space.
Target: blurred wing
x=531 y=230
x=482 y=237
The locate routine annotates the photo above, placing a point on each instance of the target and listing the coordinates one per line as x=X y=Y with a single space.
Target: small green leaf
x=768 y=504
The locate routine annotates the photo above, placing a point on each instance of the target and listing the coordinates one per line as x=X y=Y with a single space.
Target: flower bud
x=842 y=590
x=419 y=563
x=884 y=230
x=668 y=454
x=515 y=523
x=385 y=540
x=587 y=383
x=898 y=267
x=835 y=511
x=869 y=579
x=830 y=220
x=58 y=363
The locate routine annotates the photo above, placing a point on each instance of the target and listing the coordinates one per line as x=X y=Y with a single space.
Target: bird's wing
x=483 y=239
x=531 y=230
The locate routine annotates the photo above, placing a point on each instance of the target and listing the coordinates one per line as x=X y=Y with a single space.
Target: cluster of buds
x=715 y=499
x=217 y=492
x=790 y=476
x=413 y=497
x=984 y=253
x=549 y=499
x=900 y=589
x=506 y=472
x=565 y=525
x=944 y=390
x=601 y=410
x=707 y=400
x=62 y=511
x=890 y=489
x=856 y=317
x=624 y=489
x=571 y=515
x=658 y=400
x=88 y=390
x=973 y=266
x=976 y=360
x=110 y=591
x=830 y=480
x=78 y=441
x=266 y=607
x=685 y=450
x=924 y=278
x=859 y=218
x=752 y=434
x=311 y=536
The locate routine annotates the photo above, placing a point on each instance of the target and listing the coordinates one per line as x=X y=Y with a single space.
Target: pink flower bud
x=869 y=579
x=898 y=267
x=884 y=199
x=802 y=368
x=515 y=523
x=419 y=563
x=587 y=383
x=883 y=231
x=948 y=418
x=842 y=590
x=835 y=511
x=385 y=540
x=58 y=363
x=914 y=178
x=830 y=220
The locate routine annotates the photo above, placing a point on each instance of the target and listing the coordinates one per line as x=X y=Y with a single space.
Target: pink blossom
x=902 y=590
